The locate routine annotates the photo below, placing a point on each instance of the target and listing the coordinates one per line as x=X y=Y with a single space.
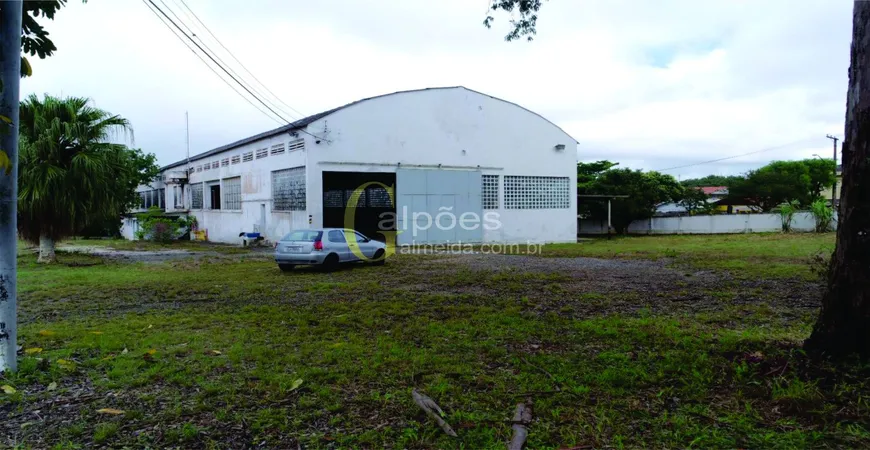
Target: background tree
x=774 y=184
x=587 y=174
x=821 y=173
x=843 y=326
x=696 y=201
x=713 y=180
x=525 y=17
x=70 y=174
x=34 y=37
x=645 y=190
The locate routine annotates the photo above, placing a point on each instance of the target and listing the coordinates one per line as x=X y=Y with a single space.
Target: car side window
x=360 y=237
x=336 y=236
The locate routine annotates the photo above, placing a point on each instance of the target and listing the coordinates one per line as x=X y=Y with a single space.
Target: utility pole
x=10 y=78
x=834 y=191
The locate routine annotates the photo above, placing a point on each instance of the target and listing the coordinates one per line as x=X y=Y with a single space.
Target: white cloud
x=650 y=84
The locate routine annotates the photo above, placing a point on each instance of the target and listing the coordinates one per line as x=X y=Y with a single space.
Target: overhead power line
x=189 y=47
x=195 y=35
x=206 y=28
x=737 y=156
x=216 y=63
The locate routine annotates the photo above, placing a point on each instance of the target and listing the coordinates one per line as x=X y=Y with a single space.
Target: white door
x=430 y=205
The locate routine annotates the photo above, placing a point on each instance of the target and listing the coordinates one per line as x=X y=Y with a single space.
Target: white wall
x=457 y=128
x=461 y=130
x=256 y=178
x=714 y=224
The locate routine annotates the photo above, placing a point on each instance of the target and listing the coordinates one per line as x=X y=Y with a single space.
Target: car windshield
x=303 y=235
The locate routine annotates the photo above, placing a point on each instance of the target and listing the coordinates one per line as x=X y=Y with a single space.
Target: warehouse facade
x=440 y=165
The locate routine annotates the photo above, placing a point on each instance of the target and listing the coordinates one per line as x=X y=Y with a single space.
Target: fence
x=715 y=224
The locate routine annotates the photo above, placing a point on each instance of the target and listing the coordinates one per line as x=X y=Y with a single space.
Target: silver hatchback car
x=328 y=247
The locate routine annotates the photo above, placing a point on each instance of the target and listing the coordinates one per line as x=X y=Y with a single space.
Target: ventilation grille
x=247 y=156
x=235 y=159
x=262 y=153
x=298 y=144
x=277 y=149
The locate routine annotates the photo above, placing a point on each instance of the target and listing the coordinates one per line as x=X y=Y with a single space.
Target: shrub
x=786 y=213
x=823 y=215
x=156 y=227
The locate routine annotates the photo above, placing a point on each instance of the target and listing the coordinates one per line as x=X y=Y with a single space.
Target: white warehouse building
x=465 y=167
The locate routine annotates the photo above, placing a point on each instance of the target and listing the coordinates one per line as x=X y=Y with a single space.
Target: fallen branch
x=432 y=410
x=522 y=417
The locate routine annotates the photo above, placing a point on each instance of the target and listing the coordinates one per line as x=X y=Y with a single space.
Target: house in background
x=450 y=154
x=715 y=193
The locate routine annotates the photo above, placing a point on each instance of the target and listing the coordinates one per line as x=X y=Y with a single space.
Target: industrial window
x=178 y=200
x=378 y=197
x=333 y=199
x=215 y=165
x=489 y=191
x=277 y=149
x=161 y=198
x=225 y=162
x=236 y=159
x=298 y=144
x=361 y=201
x=199 y=168
x=262 y=153
x=196 y=196
x=233 y=193
x=214 y=196
x=247 y=156
x=522 y=192
x=288 y=189
x=143 y=200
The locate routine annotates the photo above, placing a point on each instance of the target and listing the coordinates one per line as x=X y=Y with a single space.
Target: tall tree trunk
x=843 y=326
x=46 y=249
x=10 y=71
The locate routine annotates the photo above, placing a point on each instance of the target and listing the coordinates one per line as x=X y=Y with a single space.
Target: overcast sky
x=652 y=85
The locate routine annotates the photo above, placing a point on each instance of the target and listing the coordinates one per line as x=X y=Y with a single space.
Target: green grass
x=773 y=255
x=123 y=244
x=229 y=352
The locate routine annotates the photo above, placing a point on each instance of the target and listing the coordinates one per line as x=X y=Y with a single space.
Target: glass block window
x=196 y=196
x=277 y=149
x=298 y=144
x=215 y=164
x=361 y=201
x=247 y=156
x=378 y=197
x=288 y=189
x=225 y=162
x=522 y=192
x=235 y=159
x=262 y=153
x=333 y=198
x=489 y=191
x=232 y=191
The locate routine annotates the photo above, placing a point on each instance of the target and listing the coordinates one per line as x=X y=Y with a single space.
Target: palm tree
x=68 y=169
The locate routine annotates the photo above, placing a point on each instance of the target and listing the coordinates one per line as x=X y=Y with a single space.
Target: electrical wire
x=146 y=2
x=737 y=156
x=237 y=59
x=216 y=63
x=193 y=33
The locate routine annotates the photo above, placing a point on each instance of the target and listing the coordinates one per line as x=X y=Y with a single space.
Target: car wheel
x=331 y=262
x=286 y=267
x=380 y=260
